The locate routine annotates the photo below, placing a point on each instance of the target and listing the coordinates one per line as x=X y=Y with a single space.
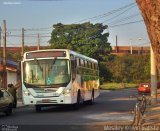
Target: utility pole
x=4 y=79
x=139 y=50
x=0 y=35
x=131 y=46
x=38 y=42
x=153 y=78
x=22 y=42
x=116 y=44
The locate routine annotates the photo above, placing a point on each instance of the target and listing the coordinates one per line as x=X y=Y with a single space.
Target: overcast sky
x=38 y=16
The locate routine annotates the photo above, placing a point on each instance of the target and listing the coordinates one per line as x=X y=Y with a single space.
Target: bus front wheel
x=38 y=108
x=77 y=104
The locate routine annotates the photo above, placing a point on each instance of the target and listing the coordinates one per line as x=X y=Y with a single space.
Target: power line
x=10 y=43
x=9 y=30
x=124 y=9
x=124 y=19
x=35 y=34
x=32 y=29
x=133 y=22
x=31 y=36
x=107 y=14
x=114 y=17
x=112 y=26
x=39 y=29
x=91 y=18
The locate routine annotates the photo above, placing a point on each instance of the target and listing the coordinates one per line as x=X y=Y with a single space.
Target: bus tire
x=91 y=101
x=77 y=104
x=37 y=108
x=9 y=110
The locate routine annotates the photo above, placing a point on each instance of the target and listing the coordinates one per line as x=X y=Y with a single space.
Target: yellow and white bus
x=57 y=77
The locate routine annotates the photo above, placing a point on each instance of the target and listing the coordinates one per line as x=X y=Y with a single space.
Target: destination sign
x=45 y=54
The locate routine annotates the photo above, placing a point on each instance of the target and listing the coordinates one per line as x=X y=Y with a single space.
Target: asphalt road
x=110 y=107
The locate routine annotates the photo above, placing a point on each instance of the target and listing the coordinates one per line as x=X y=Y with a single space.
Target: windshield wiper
x=38 y=64
x=30 y=85
x=54 y=60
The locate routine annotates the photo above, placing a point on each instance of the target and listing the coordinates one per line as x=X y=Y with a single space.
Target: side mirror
x=19 y=66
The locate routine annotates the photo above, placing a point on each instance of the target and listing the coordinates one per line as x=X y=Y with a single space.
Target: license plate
x=45 y=100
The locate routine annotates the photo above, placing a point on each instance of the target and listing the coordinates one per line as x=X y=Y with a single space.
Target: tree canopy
x=86 y=38
x=130 y=68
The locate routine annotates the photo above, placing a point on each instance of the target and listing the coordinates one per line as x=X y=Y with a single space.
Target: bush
x=129 y=69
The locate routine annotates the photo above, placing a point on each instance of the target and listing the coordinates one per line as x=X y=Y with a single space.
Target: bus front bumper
x=30 y=100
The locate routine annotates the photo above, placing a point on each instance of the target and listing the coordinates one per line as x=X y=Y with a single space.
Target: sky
x=38 y=16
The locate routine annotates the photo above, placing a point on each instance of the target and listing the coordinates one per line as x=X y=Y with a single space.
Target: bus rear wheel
x=91 y=101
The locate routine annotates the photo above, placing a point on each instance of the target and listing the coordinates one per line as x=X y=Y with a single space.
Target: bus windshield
x=46 y=72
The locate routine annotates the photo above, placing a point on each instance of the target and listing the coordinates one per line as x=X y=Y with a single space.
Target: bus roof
x=67 y=50
x=82 y=56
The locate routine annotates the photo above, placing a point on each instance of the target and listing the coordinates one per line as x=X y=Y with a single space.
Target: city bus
x=58 y=77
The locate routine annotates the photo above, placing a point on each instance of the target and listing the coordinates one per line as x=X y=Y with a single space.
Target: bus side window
x=75 y=63
x=73 y=67
x=79 y=62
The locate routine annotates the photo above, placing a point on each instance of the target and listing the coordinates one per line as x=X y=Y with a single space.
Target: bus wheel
x=91 y=101
x=77 y=105
x=9 y=110
x=38 y=108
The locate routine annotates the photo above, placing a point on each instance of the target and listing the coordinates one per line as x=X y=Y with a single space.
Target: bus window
x=89 y=65
x=82 y=62
x=75 y=63
x=86 y=64
x=79 y=62
x=92 y=65
x=96 y=66
x=45 y=72
x=73 y=69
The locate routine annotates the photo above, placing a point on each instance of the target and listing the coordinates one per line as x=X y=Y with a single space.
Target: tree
x=130 y=68
x=104 y=72
x=16 y=56
x=87 y=38
x=150 y=10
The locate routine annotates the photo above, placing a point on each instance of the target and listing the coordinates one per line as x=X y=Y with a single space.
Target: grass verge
x=117 y=86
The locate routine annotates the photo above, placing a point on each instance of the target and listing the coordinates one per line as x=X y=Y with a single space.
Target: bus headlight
x=59 y=91
x=67 y=91
x=26 y=93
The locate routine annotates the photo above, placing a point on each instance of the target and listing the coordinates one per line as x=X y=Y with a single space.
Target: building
x=123 y=50
x=26 y=48
x=11 y=75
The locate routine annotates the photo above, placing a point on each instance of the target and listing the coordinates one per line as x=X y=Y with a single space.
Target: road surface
x=110 y=107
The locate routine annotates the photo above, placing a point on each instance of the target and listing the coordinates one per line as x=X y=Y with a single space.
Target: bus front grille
x=47 y=101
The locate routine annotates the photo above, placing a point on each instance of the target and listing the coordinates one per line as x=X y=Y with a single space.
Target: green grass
x=117 y=86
